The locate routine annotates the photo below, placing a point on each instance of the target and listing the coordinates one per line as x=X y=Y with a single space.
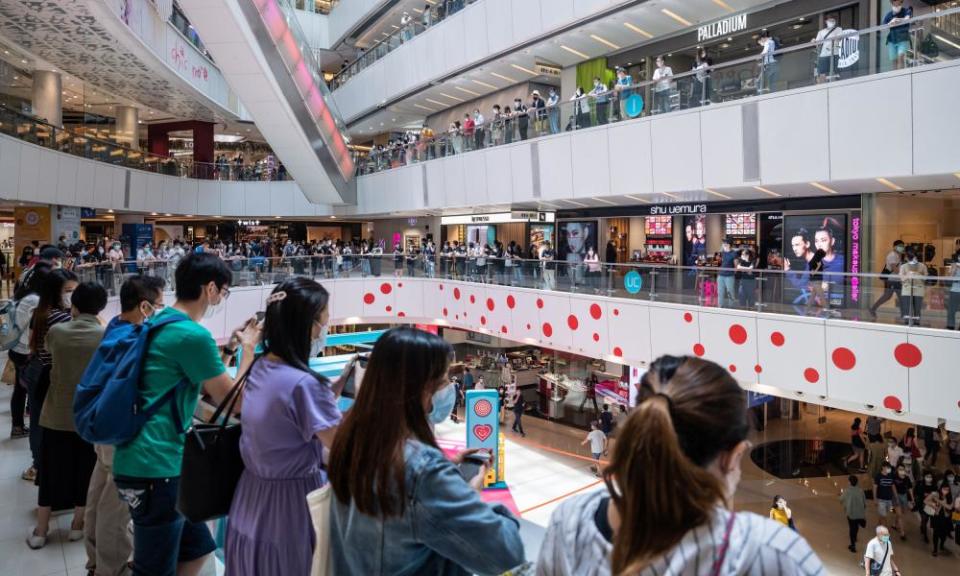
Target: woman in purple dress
x=289 y=414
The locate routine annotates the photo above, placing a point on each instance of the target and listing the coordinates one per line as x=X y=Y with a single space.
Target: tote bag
x=318 y=502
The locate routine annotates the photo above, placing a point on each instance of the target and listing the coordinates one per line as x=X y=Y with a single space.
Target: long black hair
x=51 y=297
x=35 y=282
x=288 y=323
x=366 y=460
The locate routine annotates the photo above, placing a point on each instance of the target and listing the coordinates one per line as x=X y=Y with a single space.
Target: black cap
x=50 y=252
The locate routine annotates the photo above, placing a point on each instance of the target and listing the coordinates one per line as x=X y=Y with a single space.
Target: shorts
x=823 y=65
x=597 y=455
x=884 y=507
x=897 y=49
x=162 y=537
x=903 y=502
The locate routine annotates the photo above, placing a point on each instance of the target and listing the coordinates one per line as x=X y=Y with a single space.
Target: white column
x=47 y=96
x=127 y=127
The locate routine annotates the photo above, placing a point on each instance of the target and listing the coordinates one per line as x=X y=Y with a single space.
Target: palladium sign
x=723 y=27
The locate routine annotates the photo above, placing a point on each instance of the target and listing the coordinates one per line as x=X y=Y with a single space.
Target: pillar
x=157 y=140
x=47 y=96
x=127 y=126
x=203 y=142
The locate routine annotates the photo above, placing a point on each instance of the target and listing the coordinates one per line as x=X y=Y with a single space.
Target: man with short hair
x=598 y=444
x=547 y=256
x=105 y=521
x=884 y=491
x=147 y=469
x=880 y=551
x=890 y=276
x=726 y=279
x=855 y=506
x=48 y=254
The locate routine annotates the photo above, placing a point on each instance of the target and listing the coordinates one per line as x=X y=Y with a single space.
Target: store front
x=526 y=228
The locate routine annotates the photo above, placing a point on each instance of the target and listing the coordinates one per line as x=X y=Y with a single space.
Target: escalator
x=267 y=60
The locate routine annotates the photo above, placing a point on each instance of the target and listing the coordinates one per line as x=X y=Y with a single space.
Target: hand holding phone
x=474 y=464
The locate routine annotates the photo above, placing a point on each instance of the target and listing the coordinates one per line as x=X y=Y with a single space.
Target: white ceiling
x=654 y=25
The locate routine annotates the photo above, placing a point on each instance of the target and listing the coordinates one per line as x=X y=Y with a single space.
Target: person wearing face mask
x=920 y=492
x=904 y=502
x=898 y=38
x=290 y=415
x=855 y=506
x=553 y=110
x=661 y=91
x=953 y=304
x=912 y=273
x=479 y=130
x=890 y=275
x=523 y=120
x=686 y=437
x=66 y=460
x=602 y=101
x=581 y=109
x=878 y=558
x=769 y=67
x=181 y=359
x=748 y=282
x=828 y=49
x=400 y=505
x=939 y=505
x=594 y=269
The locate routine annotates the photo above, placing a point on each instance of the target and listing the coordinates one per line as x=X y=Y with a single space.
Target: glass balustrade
x=913 y=300
x=850 y=54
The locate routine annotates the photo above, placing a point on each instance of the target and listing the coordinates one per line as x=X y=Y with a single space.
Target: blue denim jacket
x=445 y=528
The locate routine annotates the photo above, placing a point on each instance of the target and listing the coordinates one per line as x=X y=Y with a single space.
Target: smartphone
x=260 y=316
x=472 y=465
x=354 y=375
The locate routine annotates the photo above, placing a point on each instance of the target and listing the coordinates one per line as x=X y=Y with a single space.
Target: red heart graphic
x=482 y=431
x=482 y=408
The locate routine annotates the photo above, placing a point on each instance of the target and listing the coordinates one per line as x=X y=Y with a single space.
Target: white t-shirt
x=875 y=551
x=662 y=77
x=894 y=454
x=596 y=438
x=826 y=49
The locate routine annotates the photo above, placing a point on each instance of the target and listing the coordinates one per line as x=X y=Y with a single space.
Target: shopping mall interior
x=582 y=285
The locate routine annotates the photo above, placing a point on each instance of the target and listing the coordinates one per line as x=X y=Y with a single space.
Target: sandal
x=34 y=541
x=30 y=474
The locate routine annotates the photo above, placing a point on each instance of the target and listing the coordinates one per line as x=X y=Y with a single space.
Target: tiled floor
x=541 y=469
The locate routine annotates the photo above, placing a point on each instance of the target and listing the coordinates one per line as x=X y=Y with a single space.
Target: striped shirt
x=55 y=317
x=758 y=546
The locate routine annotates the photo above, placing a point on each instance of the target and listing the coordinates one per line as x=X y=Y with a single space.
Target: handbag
x=722 y=556
x=875 y=568
x=318 y=502
x=929 y=510
x=9 y=376
x=212 y=464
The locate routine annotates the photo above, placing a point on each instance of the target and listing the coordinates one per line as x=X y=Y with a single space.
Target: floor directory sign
x=483 y=430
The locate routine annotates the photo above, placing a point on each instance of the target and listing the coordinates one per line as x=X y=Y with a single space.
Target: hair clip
x=276 y=297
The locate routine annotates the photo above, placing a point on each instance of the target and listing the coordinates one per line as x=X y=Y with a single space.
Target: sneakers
x=36 y=542
x=30 y=474
x=75 y=535
x=20 y=432
x=852 y=548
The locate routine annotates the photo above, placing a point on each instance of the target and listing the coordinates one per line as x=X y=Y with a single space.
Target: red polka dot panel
x=811 y=375
x=386 y=288
x=572 y=322
x=777 y=339
x=596 y=311
x=844 y=358
x=892 y=403
x=617 y=352
x=738 y=334
x=688 y=317
x=539 y=302
x=490 y=304
x=699 y=350
x=547 y=329
x=908 y=355
x=369 y=298
x=511 y=302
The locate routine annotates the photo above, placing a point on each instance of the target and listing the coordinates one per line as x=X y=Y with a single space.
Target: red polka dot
x=908 y=355
x=473 y=299
x=616 y=311
x=699 y=350
x=456 y=317
x=811 y=375
x=441 y=287
x=456 y=293
x=596 y=311
x=445 y=312
x=490 y=304
x=738 y=334
x=511 y=302
x=844 y=358
x=539 y=302
x=389 y=308
x=617 y=352
x=401 y=314
x=464 y=314
x=732 y=368
x=688 y=317
x=777 y=339
x=596 y=337
x=547 y=329
x=386 y=288
x=572 y=322
x=369 y=298
x=400 y=285
x=893 y=403
x=758 y=368
x=483 y=320
x=528 y=326
x=503 y=329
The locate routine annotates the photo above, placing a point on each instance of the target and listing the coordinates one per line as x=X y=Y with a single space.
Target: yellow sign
x=30 y=223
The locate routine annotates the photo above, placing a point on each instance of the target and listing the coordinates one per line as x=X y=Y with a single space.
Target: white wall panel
x=138 y=192
x=588 y=323
x=497 y=311
x=629 y=328
x=435 y=183
x=10 y=152
x=231 y=199
x=787 y=348
x=454 y=43
x=434 y=298
x=935 y=354
x=208 y=198
x=378 y=297
x=936 y=148
x=66 y=167
x=189 y=190
x=587 y=7
x=526 y=18
x=730 y=340
x=415 y=176
x=409 y=299
x=554 y=311
x=47 y=177
x=281 y=198
x=526 y=315
x=591 y=163
x=119 y=187
x=86 y=181
x=434 y=61
x=471 y=302
x=347 y=298
x=499 y=177
x=721 y=133
x=155 y=186
x=29 y=172
x=103 y=187
x=475 y=178
x=858 y=139
x=556 y=171
x=676 y=152
x=473 y=24
x=793 y=137
x=862 y=365
x=499 y=37
x=556 y=13
x=675 y=330
x=629 y=145
x=255 y=202
x=521 y=165
x=454 y=193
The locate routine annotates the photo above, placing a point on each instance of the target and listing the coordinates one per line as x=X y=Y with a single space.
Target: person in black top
x=817 y=288
x=519 y=405
x=885 y=492
x=606 y=421
x=920 y=491
x=523 y=120
x=904 y=502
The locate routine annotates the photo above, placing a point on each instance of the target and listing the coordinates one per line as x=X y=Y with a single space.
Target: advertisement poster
x=66 y=223
x=540 y=233
x=803 y=235
x=30 y=223
x=483 y=430
x=575 y=238
x=694 y=239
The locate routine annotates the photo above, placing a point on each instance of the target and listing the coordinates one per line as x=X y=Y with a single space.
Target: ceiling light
x=638 y=30
x=422 y=107
x=945 y=41
x=888 y=184
x=395 y=27
x=276 y=217
x=577 y=52
x=604 y=41
x=153 y=213
x=765 y=191
x=574 y=202
x=333 y=217
x=502 y=77
x=723 y=5
x=669 y=195
x=452 y=97
x=637 y=199
x=110 y=211
x=430 y=100
x=820 y=186
x=168 y=215
x=485 y=84
x=957 y=174
x=471 y=92
x=717 y=194
x=676 y=17
x=605 y=201
x=527 y=70
x=188 y=216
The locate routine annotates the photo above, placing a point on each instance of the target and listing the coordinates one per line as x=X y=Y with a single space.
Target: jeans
x=603 y=113
x=727 y=293
x=661 y=101
x=554 y=116
x=518 y=274
x=161 y=536
x=748 y=290
x=517 y=422
x=36 y=394
x=549 y=279
x=768 y=77
x=953 y=306
x=910 y=309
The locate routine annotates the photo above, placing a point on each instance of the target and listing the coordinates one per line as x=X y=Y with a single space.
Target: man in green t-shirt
x=147 y=469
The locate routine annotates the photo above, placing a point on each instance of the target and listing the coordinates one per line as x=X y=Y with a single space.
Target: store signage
x=498 y=218
x=632 y=282
x=755 y=399
x=849 y=52
x=88 y=212
x=678 y=209
x=855 y=258
x=634 y=105
x=248 y=222
x=547 y=70
x=723 y=27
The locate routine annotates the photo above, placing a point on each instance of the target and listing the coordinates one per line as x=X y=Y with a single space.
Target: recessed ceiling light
x=485 y=84
x=717 y=194
x=445 y=95
x=422 y=107
x=676 y=17
x=276 y=217
x=502 y=77
x=888 y=184
x=605 y=201
x=574 y=51
x=637 y=199
x=432 y=101
x=723 y=5
x=333 y=217
x=523 y=69
x=153 y=213
x=638 y=30
x=605 y=42
x=669 y=195
x=471 y=92
x=820 y=186
x=168 y=215
x=765 y=191
x=110 y=211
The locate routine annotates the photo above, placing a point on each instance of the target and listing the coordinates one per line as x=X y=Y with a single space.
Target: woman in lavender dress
x=289 y=414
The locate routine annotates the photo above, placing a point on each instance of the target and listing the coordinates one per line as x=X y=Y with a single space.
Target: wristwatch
x=230 y=351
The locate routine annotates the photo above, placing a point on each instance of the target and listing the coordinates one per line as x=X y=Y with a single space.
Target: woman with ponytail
x=669 y=491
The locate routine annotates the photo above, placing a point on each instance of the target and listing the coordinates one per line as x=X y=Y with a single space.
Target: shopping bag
x=9 y=376
x=319 y=502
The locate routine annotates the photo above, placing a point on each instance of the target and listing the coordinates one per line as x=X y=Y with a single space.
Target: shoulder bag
x=722 y=556
x=211 y=462
x=318 y=502
x=875 y=568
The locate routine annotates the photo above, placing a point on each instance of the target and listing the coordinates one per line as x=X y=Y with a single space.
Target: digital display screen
x=658 y=225
x=741 y=224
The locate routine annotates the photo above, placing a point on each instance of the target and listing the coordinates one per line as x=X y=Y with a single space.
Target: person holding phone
x=400 y=505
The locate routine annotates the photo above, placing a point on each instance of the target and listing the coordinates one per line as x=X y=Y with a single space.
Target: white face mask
x=831 y=23
x=213 y=309
x=66 y=300
x=319 y=343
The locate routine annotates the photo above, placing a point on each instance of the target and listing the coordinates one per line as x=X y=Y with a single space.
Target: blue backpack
x=108 y=407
